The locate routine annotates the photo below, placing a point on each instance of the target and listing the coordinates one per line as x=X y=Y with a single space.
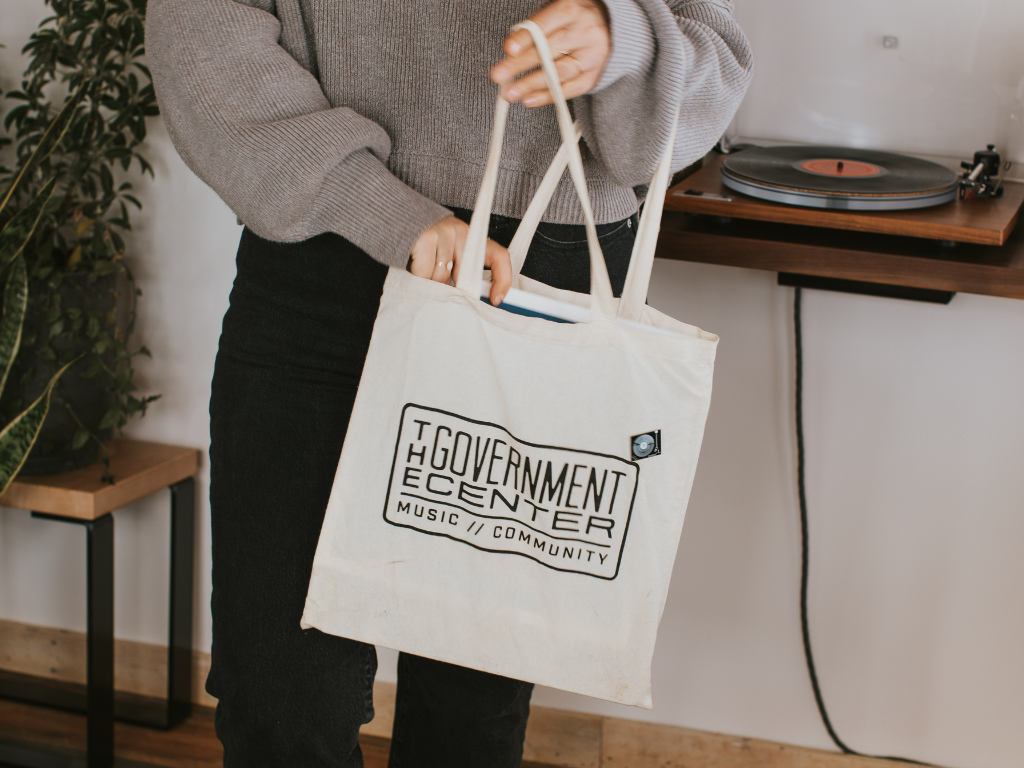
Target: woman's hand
x=578 y=33
x=437 y=254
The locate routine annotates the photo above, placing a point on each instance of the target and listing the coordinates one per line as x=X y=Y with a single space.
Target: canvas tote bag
x=511 y=491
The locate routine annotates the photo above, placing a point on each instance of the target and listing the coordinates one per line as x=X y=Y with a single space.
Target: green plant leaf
x=15 y=301
x=110 y=418
x=18 y=437
x=53 y=136
x=81 y=438
x=92 y=370
x=106 y=180
x=19 y=230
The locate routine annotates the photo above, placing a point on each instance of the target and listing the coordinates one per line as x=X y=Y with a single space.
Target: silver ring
x=575 y=61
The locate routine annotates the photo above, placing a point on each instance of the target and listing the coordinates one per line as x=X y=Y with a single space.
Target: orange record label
x=851 y=169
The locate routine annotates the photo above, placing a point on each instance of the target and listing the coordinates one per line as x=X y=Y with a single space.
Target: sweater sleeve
x=254 y=124
x=666 y=54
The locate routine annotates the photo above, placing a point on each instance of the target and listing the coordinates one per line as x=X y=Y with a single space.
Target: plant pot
x=89 y=398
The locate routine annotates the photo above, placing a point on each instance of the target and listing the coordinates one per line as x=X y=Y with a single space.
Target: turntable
x=853 y=220
x=839 y=178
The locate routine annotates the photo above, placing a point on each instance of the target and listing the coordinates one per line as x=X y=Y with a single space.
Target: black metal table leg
x=99 y=535
x=97 y=699
x=149 y=711
x=99 y=545
x=179 y=646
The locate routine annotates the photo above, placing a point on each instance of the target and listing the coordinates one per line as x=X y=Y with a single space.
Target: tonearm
x=984 y=177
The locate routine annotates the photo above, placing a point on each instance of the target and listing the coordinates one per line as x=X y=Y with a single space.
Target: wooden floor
x=193 y=744
x=556 y=739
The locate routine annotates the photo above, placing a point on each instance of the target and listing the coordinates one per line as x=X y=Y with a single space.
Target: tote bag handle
x=520 y=245
x=471 y=271
x=641 y=261
x=638 y=278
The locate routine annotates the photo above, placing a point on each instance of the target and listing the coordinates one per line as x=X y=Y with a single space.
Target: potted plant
x=81 y=296
x=19 y=435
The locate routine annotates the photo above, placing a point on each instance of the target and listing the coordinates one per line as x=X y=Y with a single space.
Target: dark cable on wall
x=804 y=552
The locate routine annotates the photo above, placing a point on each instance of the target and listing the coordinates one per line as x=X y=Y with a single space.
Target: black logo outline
x=394 y=464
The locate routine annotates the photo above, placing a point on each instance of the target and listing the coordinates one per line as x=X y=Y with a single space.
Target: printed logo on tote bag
x=474 y=482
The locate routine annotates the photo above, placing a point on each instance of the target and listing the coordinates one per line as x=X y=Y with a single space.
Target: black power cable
x=804 y=556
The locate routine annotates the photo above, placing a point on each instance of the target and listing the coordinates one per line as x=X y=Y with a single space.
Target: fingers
x=562 y=42
x=508 y=69
x=438 y=251
x=527 y=57
x=577 y=31
x=554 y=19
x=444 y=256
x=461 y=234
x=434 y=252
x=563 y=13
x=575 y=77
x=421 y=261
x=500 y=263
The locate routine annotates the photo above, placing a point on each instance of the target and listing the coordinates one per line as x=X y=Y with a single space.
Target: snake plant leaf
x=53 y=136
x=18 y=437
x=15 y=301
x=19 y=230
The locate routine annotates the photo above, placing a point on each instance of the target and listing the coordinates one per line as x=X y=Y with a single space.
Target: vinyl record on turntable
x=839 y=177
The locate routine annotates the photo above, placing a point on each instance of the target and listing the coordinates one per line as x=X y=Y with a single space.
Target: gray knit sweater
x=367 y=117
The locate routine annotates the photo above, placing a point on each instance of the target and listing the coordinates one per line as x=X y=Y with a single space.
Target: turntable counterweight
x=984 y=177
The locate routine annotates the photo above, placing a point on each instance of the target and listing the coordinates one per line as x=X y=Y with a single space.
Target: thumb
x=497 y=258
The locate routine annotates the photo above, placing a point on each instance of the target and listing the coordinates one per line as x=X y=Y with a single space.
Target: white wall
x=954 y=84
x=914 y=420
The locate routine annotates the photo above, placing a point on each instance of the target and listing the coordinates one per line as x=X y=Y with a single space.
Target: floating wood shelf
x=981 y=222
x=869 y=257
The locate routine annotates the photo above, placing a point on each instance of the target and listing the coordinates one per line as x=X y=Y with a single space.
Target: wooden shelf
x=138 y=469
x=981 y=222
x=859 y=256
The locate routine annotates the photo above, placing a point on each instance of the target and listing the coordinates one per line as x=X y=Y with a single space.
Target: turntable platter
x=839 y=178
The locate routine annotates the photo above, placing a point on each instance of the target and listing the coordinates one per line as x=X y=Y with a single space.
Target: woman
x=350 y=137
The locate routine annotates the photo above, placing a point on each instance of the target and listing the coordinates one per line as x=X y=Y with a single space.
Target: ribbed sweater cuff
x=367 y=205
x=632 y=42
x=709 y=12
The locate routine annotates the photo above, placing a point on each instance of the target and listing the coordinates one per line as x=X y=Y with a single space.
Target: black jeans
x=291 y=353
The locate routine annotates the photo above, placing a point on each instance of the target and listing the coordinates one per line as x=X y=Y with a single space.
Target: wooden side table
x=80 y=497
